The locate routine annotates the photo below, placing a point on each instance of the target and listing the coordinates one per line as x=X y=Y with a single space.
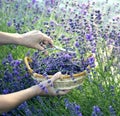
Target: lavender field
x=83 y=26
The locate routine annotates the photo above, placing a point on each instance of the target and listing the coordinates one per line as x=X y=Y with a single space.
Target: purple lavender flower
x=5 y=91
x=101 y=87
x=91 y=61
x=47 y=2
x=9 y=23
x=16 y=6
x=89 y=37
x=34 y=1
x=15 y=63
x=23 y=106
x=112 y=111
x=28 y=112
x=10 y=58
x=97 y=111
x=77 y=44
x=52 y=1
x=112 y=90
x=73 y=108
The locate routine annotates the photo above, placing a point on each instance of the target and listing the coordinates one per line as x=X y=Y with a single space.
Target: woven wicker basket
x=65 y=82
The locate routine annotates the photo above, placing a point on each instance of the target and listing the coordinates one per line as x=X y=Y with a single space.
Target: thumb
x=56 y=76
x=63 y=92
x=39 y=47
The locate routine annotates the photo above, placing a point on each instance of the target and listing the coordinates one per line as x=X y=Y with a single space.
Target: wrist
x=15 y=38
x=36 y=89
x=19 y=39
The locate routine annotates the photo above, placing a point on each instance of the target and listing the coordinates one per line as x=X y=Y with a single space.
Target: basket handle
x=27 y=60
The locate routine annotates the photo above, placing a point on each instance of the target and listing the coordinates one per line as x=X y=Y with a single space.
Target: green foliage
x=101 y=87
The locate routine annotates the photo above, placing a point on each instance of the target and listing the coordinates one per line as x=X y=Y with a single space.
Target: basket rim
x=64 y=76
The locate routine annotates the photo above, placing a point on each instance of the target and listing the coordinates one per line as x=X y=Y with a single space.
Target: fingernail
x=59 y=72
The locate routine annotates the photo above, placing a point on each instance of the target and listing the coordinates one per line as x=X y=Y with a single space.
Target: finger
x=63 y=92
x=48 y=43
x=52 y=91
x=39 y=47
x=43 y=45
x=56 y=76
x=45 y=53
x=48 y=39
x=47 y=83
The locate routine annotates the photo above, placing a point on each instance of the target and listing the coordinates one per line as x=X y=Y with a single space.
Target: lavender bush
x=84 y=27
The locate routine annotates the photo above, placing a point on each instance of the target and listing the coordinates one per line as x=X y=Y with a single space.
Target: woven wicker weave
x=65 y=82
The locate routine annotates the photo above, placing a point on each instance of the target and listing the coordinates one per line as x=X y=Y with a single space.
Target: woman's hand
x=35 y=39
x=45 y=87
